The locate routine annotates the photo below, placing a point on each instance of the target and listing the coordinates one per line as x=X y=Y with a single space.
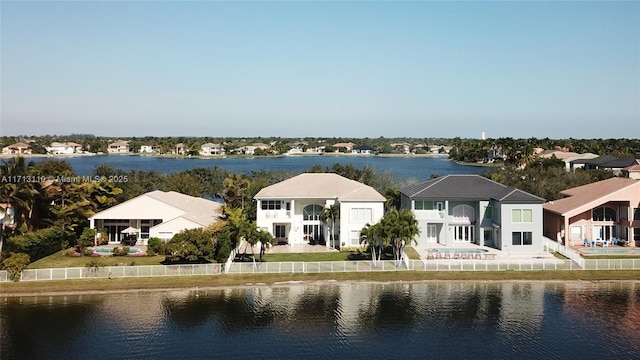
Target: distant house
x=290 y=210
x=118 y=147
x=601 y=210
x=18 y=148
x=605 y=162
x=364 y=149
x=457 y=209
x=633 y=171
x=149 y=148
x=251 y=149
x=344 y=147
x=155 y=214
x=211 y=149
x=180 y=149
x=65 y=148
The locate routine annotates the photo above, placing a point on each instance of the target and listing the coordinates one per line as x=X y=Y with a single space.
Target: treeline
x=520 y=151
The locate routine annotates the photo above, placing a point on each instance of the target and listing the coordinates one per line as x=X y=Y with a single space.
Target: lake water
x=402 y=168
x=460 y=320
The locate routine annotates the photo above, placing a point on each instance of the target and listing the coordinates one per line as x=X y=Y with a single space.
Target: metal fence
x=324 y=267
x=119 y=271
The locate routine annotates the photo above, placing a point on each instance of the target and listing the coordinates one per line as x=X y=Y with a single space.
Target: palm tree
x=393 y=196
x=331 y=214
x=373 y=236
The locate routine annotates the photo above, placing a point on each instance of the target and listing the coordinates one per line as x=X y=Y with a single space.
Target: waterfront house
x=364 y=149
x=155 y=214
x=211 y=149
x=65 y=148
x=456 y=209
x=149 y=148
x=633 y=171
x=291 y=210
x=181 y=149
x=599 y=211
x=605 y=162
x=118 y=147
x=18 y=148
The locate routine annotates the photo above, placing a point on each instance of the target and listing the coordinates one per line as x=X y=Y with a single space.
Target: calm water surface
x=402 y=168
x=466 y=320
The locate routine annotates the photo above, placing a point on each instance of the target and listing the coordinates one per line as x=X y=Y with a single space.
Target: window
x=464 y=213
x=636 y=234
x=522 y=238
x=311 y=212
x=361 y=215
x=354 y=238
x=423 y=205
x=636 y=214
x=576 y=233
x=271 y=205
x=603 y=214
x=488 y=213
x=521 y=215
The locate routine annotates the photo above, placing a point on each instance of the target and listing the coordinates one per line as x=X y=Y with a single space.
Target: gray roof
x=468 y=187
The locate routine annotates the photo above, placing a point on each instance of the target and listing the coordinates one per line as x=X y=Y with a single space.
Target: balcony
x=276 y=214
x=429 y=214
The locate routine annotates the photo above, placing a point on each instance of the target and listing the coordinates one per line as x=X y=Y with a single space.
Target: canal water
x=332 y=320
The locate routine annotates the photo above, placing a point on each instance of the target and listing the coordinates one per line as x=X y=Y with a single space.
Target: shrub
x=95 y=264
x=70 y=252
x=153 y=246
x=87 y=237
x=15 y=263
x=87 y=251
x=40 y=243
x=116 y=251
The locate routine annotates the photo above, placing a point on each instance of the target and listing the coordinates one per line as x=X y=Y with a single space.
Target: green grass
x=60 y=260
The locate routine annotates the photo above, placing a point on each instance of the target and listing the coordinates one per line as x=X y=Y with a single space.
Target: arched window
x=311 y=212
x=464 y=213
x=604 y=214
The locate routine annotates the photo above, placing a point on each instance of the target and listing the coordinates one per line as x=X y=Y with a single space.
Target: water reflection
x=438 y=320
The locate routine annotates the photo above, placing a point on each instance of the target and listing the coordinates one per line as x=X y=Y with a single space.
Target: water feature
x=617 y=251
x=458 y=320
x=402 y=168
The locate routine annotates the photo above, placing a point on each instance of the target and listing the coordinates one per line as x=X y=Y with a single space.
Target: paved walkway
x=426 y=251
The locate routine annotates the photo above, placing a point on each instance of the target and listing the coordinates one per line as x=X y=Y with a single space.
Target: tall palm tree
x=330 y=215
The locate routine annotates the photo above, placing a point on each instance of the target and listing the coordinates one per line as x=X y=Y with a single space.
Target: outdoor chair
x=587 y=243
x=614 y=241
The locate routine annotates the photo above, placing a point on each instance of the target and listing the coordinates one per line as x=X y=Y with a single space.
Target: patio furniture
x=614 y=241
x=587 y=243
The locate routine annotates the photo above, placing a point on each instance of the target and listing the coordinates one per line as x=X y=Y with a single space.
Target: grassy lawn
x=187 y=282
x=59 y=260
x=308 y=257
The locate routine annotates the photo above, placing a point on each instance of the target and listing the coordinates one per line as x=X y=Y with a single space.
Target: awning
x=130 y=230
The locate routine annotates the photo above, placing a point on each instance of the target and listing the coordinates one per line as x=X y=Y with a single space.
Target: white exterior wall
x=349 y=227
x=507 y=227
x=167 y=230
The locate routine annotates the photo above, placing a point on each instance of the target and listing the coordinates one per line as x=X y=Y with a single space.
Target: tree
x=190 y=246
x=235 y=190
x=393 y=196
x=15 y=263
x=330 y=215
x=374 y=237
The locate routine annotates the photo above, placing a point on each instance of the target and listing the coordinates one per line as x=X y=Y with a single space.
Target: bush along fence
x=321 y=267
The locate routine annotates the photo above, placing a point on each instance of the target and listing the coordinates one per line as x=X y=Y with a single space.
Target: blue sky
x=327 y=69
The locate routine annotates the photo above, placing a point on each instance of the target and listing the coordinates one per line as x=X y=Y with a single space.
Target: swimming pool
x=611 y=251
x=461 y=251
x=107 y=251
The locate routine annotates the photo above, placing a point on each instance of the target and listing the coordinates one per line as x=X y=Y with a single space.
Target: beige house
x=599 y=211
x=118 y=147
x=211 y=149
x=18 y=148
x=291 y=210
x=155 y=214
x=65 y=148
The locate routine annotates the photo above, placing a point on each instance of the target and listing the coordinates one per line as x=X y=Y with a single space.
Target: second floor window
x=271 y=205
x=603 y=214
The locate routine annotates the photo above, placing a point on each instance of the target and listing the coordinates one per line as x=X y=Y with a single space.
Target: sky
x=557 y=69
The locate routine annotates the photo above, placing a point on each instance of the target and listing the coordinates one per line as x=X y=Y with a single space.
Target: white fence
x=119 y=271
x=324 y=267
x=564 y=251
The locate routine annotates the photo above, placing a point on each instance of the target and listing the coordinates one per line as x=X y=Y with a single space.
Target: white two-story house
x=456 y=209
x=291 y=210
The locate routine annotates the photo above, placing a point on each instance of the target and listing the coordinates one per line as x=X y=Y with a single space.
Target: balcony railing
x=429 y=214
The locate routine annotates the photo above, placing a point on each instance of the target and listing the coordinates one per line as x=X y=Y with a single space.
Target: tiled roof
x=320 y=186
x=468 y=187
x=590 y=193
